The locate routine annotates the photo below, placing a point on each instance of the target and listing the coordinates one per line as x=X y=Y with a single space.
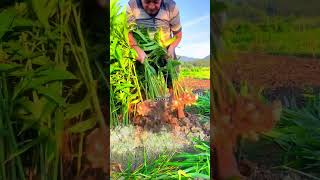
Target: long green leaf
x=83 y=126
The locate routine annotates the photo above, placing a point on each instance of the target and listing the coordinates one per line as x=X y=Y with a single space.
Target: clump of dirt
x=265 y=173
x=96 y=149
x=259 y=164
x=94 y=155
x=156 y=130
x=271 y=71
x=152 y=115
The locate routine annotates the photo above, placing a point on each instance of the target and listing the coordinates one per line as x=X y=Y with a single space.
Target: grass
x=298 y=135
x=172 y=165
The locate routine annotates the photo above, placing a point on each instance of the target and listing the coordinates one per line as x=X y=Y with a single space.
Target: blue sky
x=195 y=20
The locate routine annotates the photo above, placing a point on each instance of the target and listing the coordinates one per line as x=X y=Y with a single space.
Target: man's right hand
x=141 y=54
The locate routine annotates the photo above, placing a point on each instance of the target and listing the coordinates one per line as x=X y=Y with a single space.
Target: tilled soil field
x=274 y=71
x=282 y=77
x=196 y=84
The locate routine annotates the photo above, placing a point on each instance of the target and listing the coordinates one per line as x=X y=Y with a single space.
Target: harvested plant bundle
x=150 y=81
x=172 y=67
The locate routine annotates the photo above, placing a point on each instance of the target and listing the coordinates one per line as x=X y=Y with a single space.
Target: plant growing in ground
x=173 y=165
x=124 y=84
x=298 y=134
x=47 y=89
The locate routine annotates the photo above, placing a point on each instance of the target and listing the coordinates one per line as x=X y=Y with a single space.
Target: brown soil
x=274 y=71
x=195 y=84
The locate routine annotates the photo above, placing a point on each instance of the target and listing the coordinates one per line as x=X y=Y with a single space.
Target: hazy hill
x=241 y=8
x=196 y=62
x=186 y=59
x=202 y=62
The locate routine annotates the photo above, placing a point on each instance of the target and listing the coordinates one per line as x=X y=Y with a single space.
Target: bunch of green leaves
x=47 y=87
x=150 y=45
x=173 y=165
x=152 y=87
x=154 y=169
x=172 y=70
x=193 y=165
x=298 y=134
x=124 y=86
x=151 y=82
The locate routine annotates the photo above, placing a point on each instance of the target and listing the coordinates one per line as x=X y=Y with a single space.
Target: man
x=155 y=15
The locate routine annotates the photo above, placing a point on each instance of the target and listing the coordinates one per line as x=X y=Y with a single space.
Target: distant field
x=195 y=72
x=281 y=36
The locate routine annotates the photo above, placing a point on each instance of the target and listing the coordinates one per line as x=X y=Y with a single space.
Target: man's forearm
x=177 y=41
x=132 y=41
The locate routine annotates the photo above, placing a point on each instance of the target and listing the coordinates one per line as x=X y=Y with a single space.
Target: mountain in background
x=186 y=59
x=196 y=61
x=247 y=8
x=202 y=62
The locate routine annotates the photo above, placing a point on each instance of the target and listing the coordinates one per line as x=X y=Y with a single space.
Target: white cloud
x=194 y=44
x=195 y=21
x=194 y=50
x=190 y=37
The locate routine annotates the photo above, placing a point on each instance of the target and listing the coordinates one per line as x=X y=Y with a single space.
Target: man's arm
x=174 y=44
x=175 y=26
x=133 y=43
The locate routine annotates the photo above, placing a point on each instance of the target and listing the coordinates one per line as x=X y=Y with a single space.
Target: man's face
x=151 y=6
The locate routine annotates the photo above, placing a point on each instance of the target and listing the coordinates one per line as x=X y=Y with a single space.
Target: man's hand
x=170 y=52
x=141 y=54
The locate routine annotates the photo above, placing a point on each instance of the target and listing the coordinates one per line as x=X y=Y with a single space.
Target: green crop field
x=275 y=35
x=195 y=72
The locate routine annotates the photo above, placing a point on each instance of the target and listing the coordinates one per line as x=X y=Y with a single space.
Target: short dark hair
x=149 y=1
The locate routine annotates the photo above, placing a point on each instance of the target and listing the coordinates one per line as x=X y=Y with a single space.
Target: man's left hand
x=170 y=52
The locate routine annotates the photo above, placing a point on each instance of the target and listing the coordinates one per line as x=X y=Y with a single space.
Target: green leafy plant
x=298 y=134
x=47 y=88
x=124 y=83
x=173 y=165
